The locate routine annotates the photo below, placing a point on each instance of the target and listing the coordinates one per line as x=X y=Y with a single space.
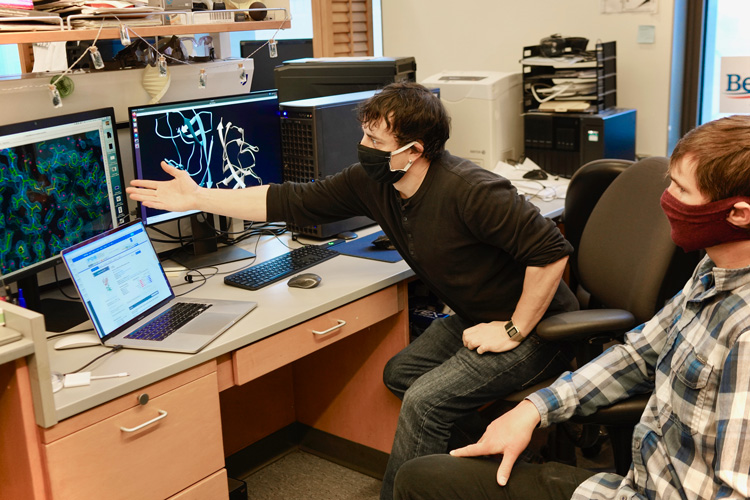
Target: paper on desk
x=552 y=187
x=502 y=168
x=49 y=56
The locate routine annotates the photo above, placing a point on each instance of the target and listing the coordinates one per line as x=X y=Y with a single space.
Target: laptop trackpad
x=208 y=323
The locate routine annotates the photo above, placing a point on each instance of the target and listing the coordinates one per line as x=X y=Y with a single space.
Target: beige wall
x=490 y=35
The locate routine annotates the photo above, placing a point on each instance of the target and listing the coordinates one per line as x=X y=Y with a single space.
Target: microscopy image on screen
x=53 y=194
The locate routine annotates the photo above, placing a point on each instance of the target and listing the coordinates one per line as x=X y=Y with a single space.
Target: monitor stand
x=59 y=314
x=205 y=252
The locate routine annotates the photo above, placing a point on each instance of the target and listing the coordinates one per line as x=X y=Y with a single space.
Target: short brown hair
x=411 y=113
x=721 y=152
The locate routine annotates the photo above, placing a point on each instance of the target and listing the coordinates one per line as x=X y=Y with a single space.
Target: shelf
x=537 y=69
x=144 y=31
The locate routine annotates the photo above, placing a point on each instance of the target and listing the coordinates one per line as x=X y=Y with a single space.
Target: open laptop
x=123 y=288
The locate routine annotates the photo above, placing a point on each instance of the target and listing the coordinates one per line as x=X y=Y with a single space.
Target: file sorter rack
x=604 y=61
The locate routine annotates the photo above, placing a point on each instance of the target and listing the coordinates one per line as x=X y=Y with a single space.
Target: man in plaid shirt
x=693 y=439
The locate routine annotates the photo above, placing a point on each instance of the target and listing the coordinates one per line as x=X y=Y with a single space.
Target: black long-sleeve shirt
x=466 y=232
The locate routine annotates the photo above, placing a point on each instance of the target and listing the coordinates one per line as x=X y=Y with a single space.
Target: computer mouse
x=383 y=242
x=536 y=175
x=304 y=280
x=77 y=340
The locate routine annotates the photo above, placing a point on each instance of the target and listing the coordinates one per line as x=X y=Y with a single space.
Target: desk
x=261 y=375
x=548 y=195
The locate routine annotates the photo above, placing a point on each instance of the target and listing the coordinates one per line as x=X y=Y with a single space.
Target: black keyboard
x=169 y=321
x=278 y=268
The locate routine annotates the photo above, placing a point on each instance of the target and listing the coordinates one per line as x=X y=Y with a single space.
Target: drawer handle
x=162 y=414
x=341 y=323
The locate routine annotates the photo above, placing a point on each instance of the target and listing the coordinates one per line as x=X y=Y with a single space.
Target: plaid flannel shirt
x=693 y=439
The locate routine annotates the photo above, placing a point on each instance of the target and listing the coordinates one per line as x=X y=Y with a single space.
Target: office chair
x=586 y=186
x=628 y=265
x=584 y=190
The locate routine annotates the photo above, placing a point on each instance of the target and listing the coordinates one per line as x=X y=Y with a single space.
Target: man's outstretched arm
x=181 y=194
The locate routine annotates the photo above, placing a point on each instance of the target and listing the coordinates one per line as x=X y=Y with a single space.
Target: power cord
x=60 y=288
x=69 y=333
x=201 y=279
x=114 y=349
x=538 y=193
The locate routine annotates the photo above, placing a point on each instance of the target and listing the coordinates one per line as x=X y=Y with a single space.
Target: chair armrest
x=578 y=325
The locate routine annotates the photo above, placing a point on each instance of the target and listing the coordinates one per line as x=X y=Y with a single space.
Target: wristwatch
x=512 y=330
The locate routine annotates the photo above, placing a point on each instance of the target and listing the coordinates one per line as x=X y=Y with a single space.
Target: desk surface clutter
x=345 y=279
x=360 y=270
x=547 y=194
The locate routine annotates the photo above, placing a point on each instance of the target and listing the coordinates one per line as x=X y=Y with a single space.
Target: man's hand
x=176 y=195
x=508 y=434
x=490 y=337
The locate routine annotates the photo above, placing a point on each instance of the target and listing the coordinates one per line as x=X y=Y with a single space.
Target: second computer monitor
x=227 y=142
x=60 y=183
x=264 y=64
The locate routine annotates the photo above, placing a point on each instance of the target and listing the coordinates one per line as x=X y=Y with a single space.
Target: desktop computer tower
x=319 y=138
x=308 y=78
x=561 y=143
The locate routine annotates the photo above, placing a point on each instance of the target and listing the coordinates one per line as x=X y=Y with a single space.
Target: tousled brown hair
x=721 y=152
x=411 y=113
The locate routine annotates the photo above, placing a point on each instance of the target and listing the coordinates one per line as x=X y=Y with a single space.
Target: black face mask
x=377 y=163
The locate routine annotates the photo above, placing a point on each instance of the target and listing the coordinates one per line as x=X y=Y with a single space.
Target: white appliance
x=485 y=109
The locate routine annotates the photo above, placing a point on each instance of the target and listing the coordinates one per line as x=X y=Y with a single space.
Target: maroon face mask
x=702 y=226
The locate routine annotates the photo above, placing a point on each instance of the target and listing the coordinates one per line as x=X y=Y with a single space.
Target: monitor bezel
x=54 y=121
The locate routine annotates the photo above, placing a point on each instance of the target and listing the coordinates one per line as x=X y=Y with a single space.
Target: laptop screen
x=118 y=277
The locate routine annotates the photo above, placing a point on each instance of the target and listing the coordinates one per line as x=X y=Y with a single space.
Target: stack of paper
x=108 y=9
x=23 y=19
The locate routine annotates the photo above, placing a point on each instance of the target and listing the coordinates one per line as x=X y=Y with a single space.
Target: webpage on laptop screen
x=119 y=278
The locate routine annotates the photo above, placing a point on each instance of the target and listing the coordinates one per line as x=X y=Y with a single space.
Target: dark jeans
x=443 y=477
x=439 y=381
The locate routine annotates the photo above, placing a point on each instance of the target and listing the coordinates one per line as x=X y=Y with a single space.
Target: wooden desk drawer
x=181 y=446
x=290 y=345
x=211 y=488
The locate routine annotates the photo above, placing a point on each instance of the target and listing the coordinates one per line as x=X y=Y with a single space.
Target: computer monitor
x=321 y=77
x=223 y=142
x=61 y=182
x=263 y=64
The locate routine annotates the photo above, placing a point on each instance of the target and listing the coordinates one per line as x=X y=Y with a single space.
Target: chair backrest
x=586 y=187
x=626 y=254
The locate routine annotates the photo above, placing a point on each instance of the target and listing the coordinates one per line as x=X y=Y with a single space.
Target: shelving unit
x=24 y=39
x=18 y=37
x=603 y=59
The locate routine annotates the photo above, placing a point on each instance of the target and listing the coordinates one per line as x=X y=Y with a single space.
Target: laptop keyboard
x=280 y=267
x=169 y=321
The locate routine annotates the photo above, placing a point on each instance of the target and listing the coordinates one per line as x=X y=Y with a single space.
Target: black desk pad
x=363 y=247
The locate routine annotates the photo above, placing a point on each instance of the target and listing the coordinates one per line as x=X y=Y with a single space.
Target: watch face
x=511 y=329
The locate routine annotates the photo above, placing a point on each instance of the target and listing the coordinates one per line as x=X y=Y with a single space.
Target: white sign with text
x=735 y=85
